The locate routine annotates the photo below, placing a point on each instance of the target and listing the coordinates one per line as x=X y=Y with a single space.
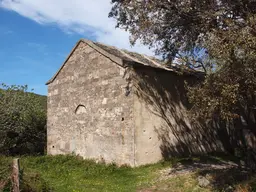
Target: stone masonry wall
x=163 y=125
x=89 y=113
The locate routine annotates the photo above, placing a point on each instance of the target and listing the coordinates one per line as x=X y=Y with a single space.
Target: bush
x=22 y=121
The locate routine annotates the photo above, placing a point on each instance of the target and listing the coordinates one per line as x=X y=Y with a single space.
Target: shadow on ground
x=224 y=174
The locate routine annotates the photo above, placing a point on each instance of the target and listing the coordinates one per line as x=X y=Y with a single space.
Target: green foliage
x=22 y=121
x=226 y=32
x=174 y=25
x=5 y=173
x=230 y=91
x=5 y=167
x=71 y=173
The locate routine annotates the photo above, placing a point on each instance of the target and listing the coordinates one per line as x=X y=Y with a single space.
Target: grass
x=181 y=183
x=73 y=174
x=5 y=171
x=69 y=173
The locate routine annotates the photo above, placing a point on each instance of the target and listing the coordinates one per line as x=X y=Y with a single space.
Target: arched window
x=80 y=109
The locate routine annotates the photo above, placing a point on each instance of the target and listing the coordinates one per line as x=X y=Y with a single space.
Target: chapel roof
x=124 y=57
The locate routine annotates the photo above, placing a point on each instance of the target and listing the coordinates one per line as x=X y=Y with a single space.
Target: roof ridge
x=112 y=46
x=127 y=54
x=93 y=44
x=118 y=56
x=133 y=58
x=156 y=63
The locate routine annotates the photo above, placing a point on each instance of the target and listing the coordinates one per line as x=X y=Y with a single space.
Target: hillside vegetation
x=22 y=121
x=42 y=99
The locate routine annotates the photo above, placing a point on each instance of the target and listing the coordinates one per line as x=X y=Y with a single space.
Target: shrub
x=22 y=121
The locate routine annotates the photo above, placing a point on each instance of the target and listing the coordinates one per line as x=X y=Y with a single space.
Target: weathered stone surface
x=114 y=110
x=88 y=112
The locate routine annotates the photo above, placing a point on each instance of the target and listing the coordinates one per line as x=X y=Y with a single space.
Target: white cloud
x=78 y=16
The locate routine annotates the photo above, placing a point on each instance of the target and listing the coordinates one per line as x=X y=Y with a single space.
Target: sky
x=37 y=35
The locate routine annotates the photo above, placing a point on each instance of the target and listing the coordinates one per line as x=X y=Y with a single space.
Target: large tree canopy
x=223 y=32
x=225 y=29
x=175 y=25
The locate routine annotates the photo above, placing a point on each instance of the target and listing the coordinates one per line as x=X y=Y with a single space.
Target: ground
x=70 y=173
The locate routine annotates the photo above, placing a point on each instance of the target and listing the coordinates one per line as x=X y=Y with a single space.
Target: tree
x=175 y=25
x=22 y=121
x=224 y=29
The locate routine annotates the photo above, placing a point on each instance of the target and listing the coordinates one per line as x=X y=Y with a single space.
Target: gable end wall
x=88 y=111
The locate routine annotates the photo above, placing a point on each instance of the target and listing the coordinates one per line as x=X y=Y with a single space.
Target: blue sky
x=30 y=53
x=37 y=35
